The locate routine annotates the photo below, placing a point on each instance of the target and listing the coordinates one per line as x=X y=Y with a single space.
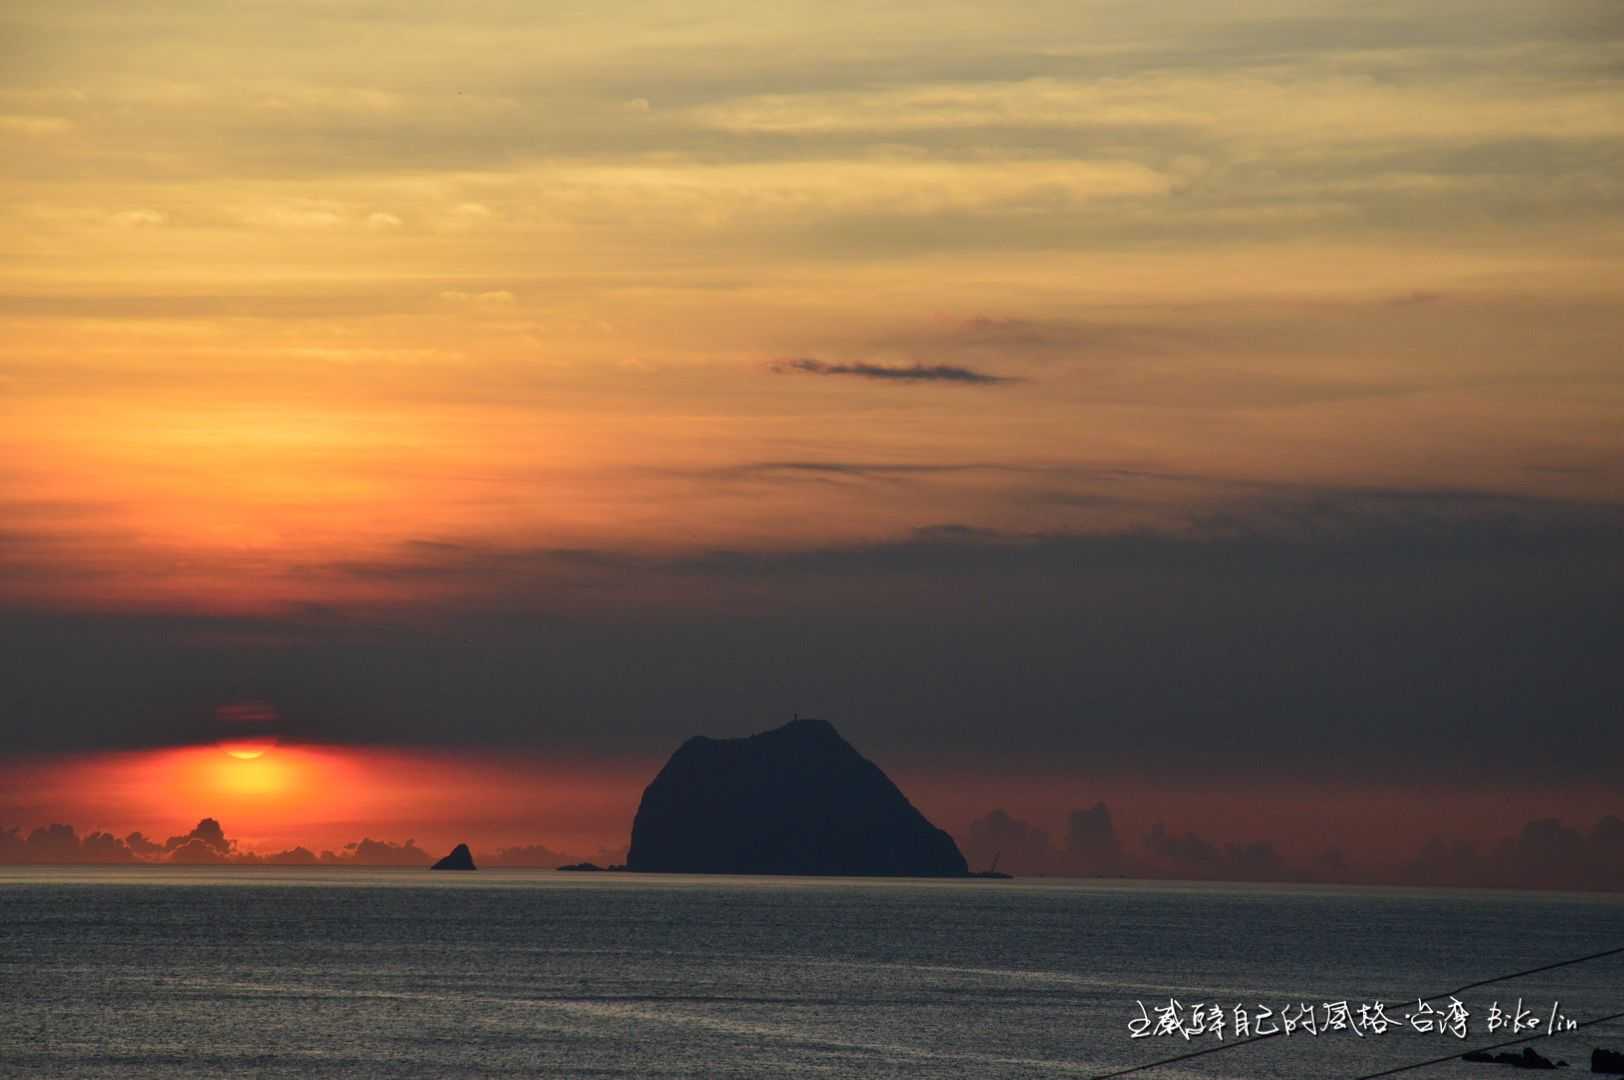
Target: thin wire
x=1486 y=1049
x=1430 y=997
x=1530 y=971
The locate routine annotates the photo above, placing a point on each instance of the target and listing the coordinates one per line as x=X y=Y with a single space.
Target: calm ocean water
x=280 y=973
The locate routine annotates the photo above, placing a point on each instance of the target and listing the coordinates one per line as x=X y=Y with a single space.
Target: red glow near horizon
x=270 y=796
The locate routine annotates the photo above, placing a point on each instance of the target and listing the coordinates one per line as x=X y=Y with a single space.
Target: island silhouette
x=798 y=799
x=459 y=859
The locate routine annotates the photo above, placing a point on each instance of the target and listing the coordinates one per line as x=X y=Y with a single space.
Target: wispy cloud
x=867 y=469
x=911 y=373
x=1284 y=532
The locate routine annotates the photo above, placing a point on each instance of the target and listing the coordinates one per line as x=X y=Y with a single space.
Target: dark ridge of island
x=795 y=800
x=459 y=859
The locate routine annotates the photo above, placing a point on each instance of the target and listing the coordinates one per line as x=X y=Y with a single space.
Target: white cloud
x=1285 y=101
x=716 y=194
x=333 y=99
x=495 y=299
x=466 y=215
x=138 y=219
x=35 y=125
x=302 y=215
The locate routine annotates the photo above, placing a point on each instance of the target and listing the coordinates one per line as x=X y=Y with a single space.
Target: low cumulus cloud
x=208 y=845
x=1089 y=848
x=369 y=852
x=1546 y=854
x=1192 y=856
x=102 y=847
x=542 y=857
x=205 y=844
x=298 y=856
x=143 y=847
x=910 y=373
x=999 y=840
x=1091 y=840
x=537 y=856
x=52 y=844
x=59 y=843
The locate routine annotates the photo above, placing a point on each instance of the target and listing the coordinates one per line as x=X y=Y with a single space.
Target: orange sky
x=277 y=304
x=326 y=797
x=471 y=378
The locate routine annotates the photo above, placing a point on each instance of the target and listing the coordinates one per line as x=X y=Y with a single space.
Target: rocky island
x=795 y=800
x=459 y=859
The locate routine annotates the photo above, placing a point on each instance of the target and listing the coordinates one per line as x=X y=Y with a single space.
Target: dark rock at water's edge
x=1606 y=1061
x=795 y=800
x=1528 y=1059
x=581 y=866
x=459 y=859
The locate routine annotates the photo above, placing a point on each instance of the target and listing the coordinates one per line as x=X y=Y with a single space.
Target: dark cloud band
x=912 y=373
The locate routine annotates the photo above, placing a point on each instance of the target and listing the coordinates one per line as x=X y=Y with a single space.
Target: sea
x=257 y=972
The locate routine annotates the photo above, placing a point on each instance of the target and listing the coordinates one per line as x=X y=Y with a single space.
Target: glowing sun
x=248 y=749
